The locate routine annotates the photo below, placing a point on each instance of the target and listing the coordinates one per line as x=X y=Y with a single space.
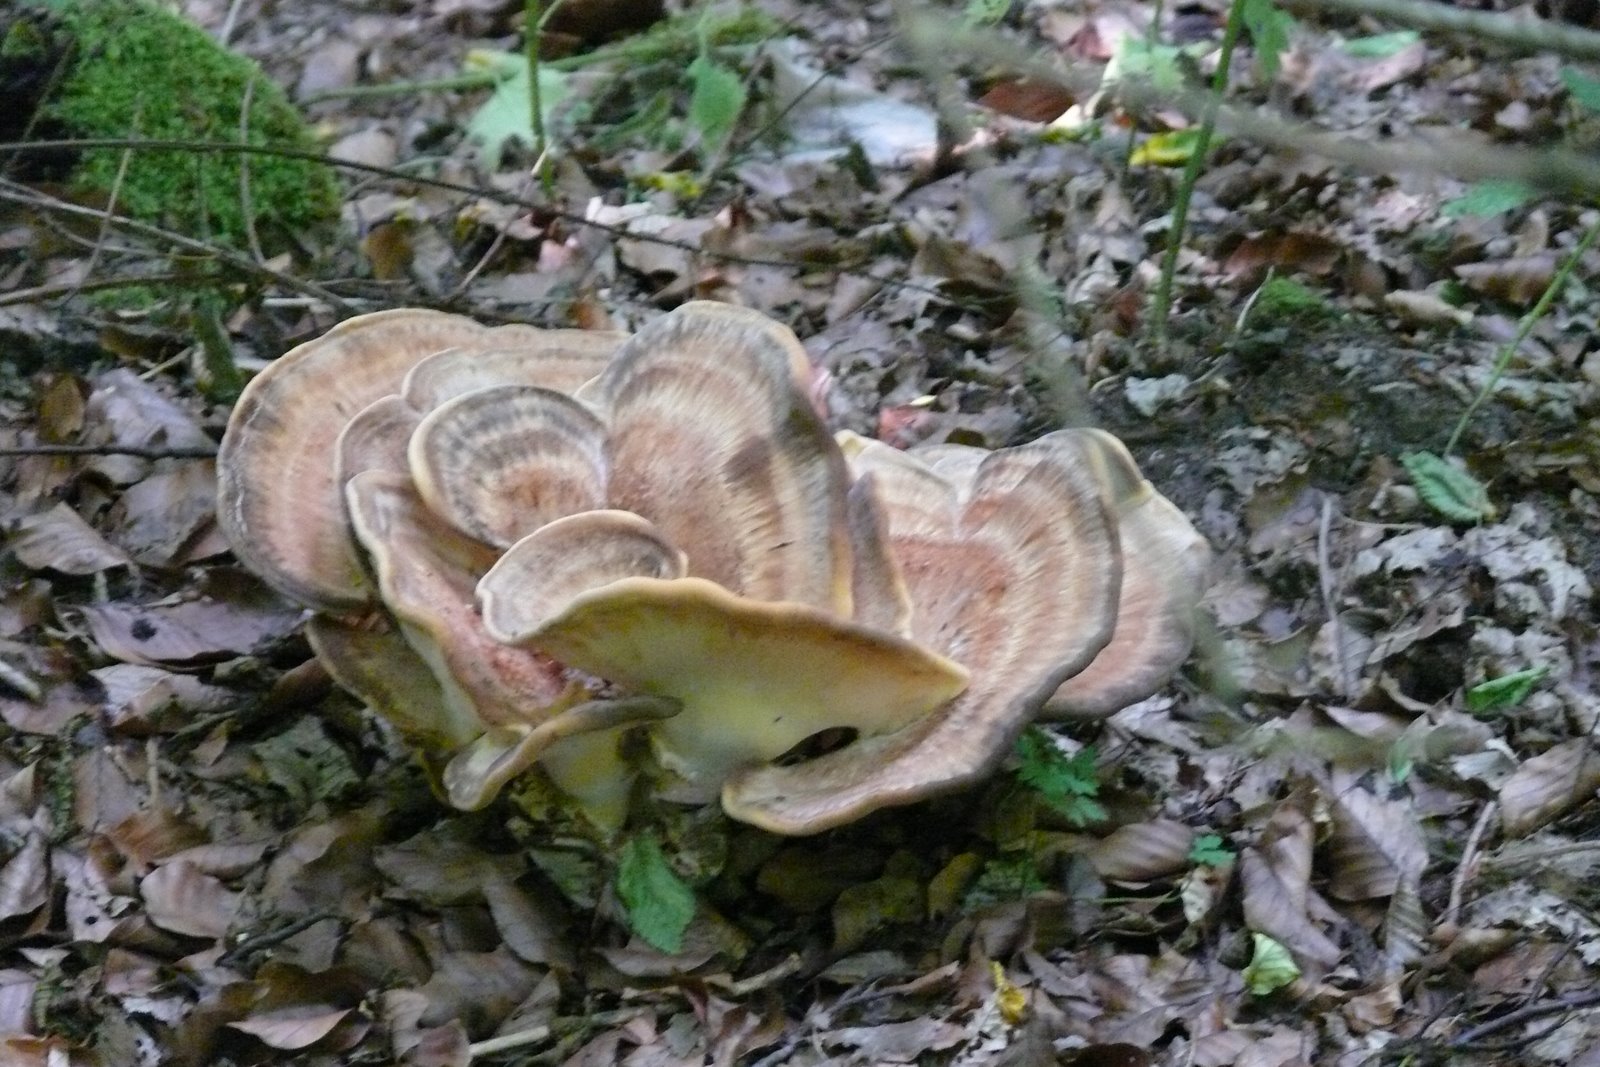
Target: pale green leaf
x=1448 y=489
x=1271 y=967
x=507 y=115
x=1382 y=45
x=984 y=12
x=1507 y=691
x=1209 y=850
x=1488 y=198
x=1269 y=28
x=659 y=903
x=1584 y=89
x=717 y=100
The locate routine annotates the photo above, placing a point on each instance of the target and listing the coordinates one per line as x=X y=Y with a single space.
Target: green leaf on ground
x=508 y=113
x=984 y=12
x=1448 y=489
x=1488 y=198
x=1208 y=850
x=717 y=100
x=1271 y=967
x=1507 y=691
x=1269 y=28
x=1381 y=45
x=659 y=903
x=1584 y=89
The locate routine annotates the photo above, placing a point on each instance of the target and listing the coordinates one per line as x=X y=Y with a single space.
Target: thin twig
x=137 y=451
x=21 y=194
x=45 y=292
x=1529 y=320
x=1514 y=31
x=1522 y=1015
x=1330 y=604
x=537 y=1034
x=532 y=34
x=1466 y=868
x=1161 y=303
x=105 y=225
x=246 y=203
x=482 y=192
x=272 y=937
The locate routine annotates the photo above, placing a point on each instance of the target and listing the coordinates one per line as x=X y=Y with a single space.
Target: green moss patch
x=139 y=72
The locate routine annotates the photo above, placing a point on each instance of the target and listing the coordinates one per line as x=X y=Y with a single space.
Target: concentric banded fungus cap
x=1164 y=564
x=566 y=359
x=1013 y=568
x=279 y=501
x=712 y=438
x=499 y=463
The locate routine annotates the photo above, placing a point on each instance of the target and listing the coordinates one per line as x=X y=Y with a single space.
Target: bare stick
x=138 y=451
x=1515 y=32
x=21 y=194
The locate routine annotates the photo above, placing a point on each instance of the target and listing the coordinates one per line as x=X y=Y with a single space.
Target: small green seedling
x=1067 y=784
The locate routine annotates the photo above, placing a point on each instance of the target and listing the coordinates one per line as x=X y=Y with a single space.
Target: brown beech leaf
x=1307 y=253
x=25 y=878
x=1518 y=281
x=1141 y=851
x=292 y=1028
x=181 y=899
x=1376 y=843
x=58 y=540
x=236 y=617
x=1548 y=785
x=1028 y=99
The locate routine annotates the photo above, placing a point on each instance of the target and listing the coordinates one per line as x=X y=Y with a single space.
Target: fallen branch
x=1517 y=32
x=137 y=451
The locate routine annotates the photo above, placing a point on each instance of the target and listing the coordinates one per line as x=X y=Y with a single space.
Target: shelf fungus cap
x=1013 y=568
x=562 y=360
x=279 y=495
x=754 y=678
x=1164 y=566
x=712 y=437
x=499 y=463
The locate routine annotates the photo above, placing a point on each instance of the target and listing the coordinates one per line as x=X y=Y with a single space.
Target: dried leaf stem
x=1529 y=320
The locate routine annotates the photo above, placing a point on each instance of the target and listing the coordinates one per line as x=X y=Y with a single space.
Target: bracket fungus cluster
x=525 y=547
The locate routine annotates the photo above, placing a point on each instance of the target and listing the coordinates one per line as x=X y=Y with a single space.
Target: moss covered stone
x=137 y=71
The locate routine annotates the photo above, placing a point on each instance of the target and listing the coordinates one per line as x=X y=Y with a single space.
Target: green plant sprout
x=1067 y=784
x=1161 y=302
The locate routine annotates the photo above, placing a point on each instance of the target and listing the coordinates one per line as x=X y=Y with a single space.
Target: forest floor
x=1358 y=828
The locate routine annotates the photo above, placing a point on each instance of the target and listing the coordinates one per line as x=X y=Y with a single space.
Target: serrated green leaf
x=1271 y=966
x=1507 y=691
x=659 y=903
x=1269 y=28
x=1584 y=89
x=1488 y=198
x=717 y=100
x=1448 y=489
x=1382 y=45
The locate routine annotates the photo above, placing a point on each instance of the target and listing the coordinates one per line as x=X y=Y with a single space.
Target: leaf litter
x=1358 y=823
